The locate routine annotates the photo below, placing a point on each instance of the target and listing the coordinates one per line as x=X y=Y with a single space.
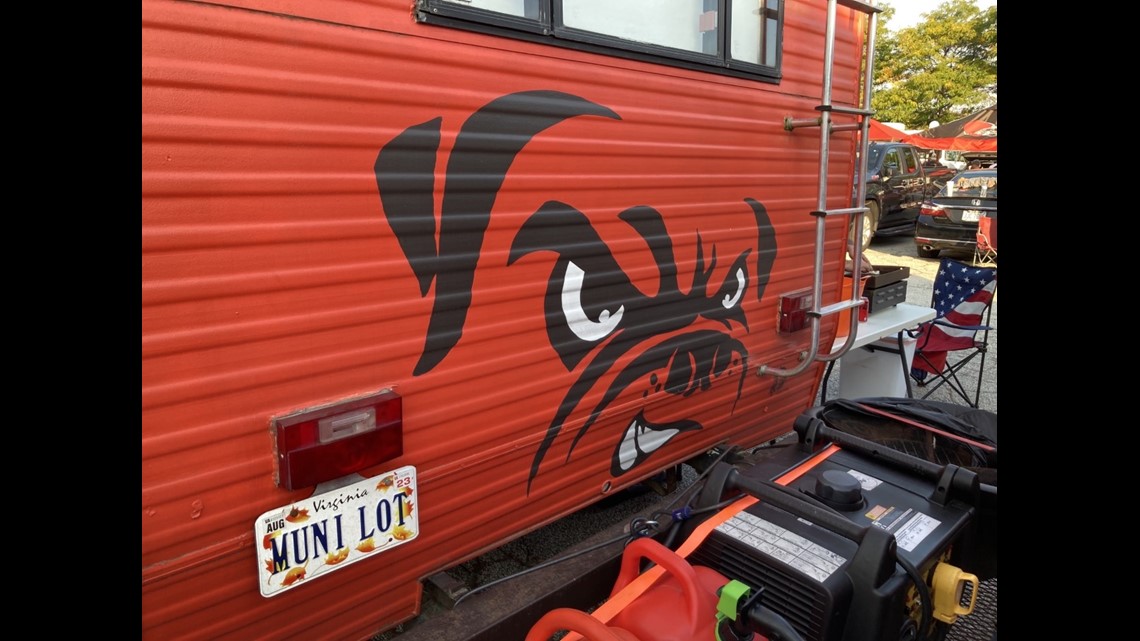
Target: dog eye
x=732 y=297
x=577 y=318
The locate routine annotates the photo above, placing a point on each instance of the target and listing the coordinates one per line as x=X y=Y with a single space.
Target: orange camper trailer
x=421 y=277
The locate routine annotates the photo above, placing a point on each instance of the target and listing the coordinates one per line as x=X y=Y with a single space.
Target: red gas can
x=680 y=606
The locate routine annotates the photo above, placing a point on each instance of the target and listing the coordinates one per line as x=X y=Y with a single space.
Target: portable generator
x=851 y=541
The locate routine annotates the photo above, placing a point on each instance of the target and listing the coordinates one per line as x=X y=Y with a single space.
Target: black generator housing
x=846 y=549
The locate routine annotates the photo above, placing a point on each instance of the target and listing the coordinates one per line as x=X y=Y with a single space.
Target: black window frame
x=547 y=27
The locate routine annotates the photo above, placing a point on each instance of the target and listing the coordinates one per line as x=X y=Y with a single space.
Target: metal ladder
x=827 y=110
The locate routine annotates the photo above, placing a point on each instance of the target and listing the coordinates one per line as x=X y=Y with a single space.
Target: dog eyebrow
x=649 y=224
x=559 y=228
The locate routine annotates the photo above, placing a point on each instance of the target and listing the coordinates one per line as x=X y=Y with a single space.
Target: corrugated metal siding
x=272 y=281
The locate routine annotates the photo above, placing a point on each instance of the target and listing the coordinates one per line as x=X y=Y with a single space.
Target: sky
x=909 y=12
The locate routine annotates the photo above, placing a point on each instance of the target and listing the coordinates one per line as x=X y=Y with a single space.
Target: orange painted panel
x=566 y=264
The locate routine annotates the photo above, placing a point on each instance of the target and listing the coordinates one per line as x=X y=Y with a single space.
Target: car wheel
x=927 y=252
x=870 y=225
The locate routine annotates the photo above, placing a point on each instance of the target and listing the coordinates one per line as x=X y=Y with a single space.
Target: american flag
x=961 y=295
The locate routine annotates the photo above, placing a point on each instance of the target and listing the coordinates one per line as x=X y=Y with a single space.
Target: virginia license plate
x=971 y=215
x=326 y=532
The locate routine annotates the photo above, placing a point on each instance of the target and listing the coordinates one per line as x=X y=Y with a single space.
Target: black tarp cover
x=864 y=418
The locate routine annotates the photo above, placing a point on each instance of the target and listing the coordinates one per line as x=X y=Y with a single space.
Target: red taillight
x=930 y=209
x=794 y=307
x=329 y=442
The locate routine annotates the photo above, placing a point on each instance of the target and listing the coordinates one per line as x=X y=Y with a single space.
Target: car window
x=892 y=160
x=873 y=153
x=911 y=161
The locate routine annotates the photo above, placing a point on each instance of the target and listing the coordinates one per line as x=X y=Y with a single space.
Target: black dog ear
x=765 y=246
x=484 y=149
x=405 y=176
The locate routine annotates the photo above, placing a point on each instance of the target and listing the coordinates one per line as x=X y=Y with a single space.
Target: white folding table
x=878 y=362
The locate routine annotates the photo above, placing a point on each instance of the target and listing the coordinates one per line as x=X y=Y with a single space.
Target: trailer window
x=682 y=25
x=755 y=32
x=740 y=37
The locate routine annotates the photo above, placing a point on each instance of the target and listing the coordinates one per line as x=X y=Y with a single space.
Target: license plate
x=971 y=215
x=307 y=539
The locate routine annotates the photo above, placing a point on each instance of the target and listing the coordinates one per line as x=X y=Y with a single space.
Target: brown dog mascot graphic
x=618 y=338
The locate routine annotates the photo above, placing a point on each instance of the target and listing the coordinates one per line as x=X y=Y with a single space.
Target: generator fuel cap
x=839 y=490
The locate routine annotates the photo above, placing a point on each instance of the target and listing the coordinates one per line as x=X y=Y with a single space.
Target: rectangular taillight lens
x=331 y=441
x=794 y=308
x=930 y=209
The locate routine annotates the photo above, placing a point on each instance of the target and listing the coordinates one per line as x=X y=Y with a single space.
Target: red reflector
x=329 y=442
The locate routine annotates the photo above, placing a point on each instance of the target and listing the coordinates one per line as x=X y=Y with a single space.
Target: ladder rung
x=835 y=308
x=847 y=126
x=860 y=6
x=846 y=211
x=856 y=111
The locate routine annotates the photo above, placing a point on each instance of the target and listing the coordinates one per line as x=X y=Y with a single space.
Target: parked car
x=950 y=219
x=897 y=184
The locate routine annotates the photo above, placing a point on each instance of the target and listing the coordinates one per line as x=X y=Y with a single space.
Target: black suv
x=897 y=184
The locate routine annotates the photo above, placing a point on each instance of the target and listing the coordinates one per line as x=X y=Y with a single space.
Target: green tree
x=940 y=69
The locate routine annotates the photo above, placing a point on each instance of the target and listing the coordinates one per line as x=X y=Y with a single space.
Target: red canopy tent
x=879 y=131
x=975 y=132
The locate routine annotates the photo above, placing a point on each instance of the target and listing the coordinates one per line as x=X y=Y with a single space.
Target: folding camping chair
x=959 y=334
x=985 y=251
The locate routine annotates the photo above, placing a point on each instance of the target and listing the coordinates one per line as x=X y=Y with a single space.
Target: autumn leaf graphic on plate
x=265 y=540
x=366 y=546
x=294 y=575
x=336 y=557
x=401 y=533
x=269 y=569
x=408 y=507
x=297 y=515
x=387 y=482
x=408 y=491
